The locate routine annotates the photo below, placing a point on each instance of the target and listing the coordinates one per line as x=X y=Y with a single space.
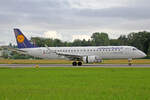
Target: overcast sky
x=72 y=19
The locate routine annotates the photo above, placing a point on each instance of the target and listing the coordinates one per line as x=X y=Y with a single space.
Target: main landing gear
x=76 y=63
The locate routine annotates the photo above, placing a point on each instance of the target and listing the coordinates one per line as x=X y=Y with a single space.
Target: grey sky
x=68 y=19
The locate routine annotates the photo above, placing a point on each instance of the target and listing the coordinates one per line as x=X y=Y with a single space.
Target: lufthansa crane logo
x=20 y=38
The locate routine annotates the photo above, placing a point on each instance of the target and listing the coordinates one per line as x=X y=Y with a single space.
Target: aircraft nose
x=143 y=54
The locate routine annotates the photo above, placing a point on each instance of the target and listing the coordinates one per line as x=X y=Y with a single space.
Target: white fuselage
x=103 y=52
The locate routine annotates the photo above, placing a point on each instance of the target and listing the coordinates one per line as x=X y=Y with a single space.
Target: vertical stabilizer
x=22 y=41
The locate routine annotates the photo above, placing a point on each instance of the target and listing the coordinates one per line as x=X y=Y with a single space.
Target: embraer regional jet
x=89 y=54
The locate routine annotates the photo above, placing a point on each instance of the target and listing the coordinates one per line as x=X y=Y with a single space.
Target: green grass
x=74 y=83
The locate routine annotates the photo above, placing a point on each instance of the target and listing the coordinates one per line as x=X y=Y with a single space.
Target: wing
x=70 y=56
x=67 y=55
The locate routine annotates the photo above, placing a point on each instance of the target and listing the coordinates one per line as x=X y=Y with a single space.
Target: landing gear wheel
x=79 y=63
x=130 y=64
x=74 y=63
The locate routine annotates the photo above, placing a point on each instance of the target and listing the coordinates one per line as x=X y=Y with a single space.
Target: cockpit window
x=134 y=49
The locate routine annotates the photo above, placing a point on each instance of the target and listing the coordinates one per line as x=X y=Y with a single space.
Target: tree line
x=141 y=40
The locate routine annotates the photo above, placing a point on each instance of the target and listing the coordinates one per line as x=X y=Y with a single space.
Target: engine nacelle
x=92 y=59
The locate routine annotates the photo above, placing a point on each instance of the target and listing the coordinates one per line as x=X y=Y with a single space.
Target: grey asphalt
x=69 y=65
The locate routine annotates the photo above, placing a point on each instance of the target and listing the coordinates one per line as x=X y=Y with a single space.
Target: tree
x=38 y=41
x=100 y=39
x=114 y=42
x=57 y=42
x=123 y=40
x=141 y=40
x=77 y=42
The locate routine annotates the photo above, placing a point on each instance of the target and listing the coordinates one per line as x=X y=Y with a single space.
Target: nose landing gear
x=130 y=62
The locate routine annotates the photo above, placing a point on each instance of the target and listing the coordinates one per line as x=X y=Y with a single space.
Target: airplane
x=87 y=54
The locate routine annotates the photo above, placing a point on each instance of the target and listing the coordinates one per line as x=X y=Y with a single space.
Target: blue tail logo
x=22 y=41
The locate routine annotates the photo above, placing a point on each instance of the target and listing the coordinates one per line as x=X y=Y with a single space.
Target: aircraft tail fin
x=22 y=41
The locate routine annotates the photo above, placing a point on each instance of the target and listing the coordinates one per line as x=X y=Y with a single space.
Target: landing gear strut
x=130 y=62
x=76 y=63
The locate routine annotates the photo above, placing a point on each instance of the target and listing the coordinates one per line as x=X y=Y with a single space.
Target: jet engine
x=92 y=59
